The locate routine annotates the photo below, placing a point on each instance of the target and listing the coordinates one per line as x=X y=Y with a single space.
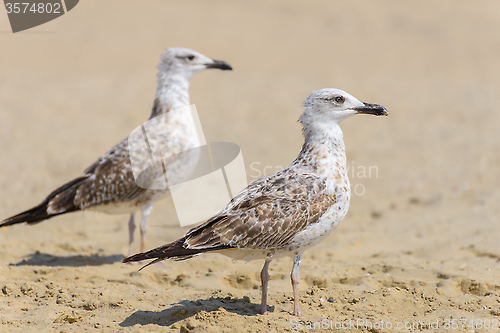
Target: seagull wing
x=109 y=179
x=268 y=214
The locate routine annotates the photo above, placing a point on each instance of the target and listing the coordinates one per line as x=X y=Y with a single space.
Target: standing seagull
x=288 y=212
x=108 y=185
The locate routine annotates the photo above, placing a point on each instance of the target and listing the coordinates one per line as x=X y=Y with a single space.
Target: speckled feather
x=266 y=216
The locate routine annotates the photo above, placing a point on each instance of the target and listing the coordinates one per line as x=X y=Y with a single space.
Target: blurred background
x=73 y=87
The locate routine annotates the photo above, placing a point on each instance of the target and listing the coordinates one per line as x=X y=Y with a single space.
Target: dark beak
x=219 y=64
x=374 y=109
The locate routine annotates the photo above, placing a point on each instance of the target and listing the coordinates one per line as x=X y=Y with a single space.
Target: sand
x=419 y=247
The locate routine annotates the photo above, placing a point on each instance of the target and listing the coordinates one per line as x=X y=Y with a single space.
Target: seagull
x=109 y=185
x=288 y=212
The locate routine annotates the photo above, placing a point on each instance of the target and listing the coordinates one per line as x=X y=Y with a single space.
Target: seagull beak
x=374 y=109
x=219 y=64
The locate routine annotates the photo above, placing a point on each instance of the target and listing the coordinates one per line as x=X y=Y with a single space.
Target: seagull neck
x=323 y=152
x=172 y=93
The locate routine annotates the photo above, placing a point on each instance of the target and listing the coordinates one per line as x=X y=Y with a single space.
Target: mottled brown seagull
x=109 y=185
x=288 y=212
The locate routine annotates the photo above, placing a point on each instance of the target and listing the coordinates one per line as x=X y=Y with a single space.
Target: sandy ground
x=419 y=246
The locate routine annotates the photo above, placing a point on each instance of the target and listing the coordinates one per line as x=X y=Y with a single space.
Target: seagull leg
x=146 y=210
x=131 y=229
x=264 y=276
x=295 y=285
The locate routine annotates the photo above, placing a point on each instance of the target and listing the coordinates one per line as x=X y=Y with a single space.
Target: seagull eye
x=339 y=99
x=190 y=57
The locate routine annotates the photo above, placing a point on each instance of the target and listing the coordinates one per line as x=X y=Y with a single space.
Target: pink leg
x=131 y=229
x=264 y=276
x=295 y=285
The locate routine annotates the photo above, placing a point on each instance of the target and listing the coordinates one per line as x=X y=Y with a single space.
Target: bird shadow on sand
x=186 y=309
x=45 y=259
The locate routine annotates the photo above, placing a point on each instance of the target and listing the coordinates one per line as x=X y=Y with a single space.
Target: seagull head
x=327 y=105
x=186 y=62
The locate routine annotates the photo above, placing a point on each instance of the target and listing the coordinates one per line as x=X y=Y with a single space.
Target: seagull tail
x=173 y=251
x=59 y=202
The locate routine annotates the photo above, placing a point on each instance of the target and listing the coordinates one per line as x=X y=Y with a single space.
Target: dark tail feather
x=32 y=216
x=64 y=204
x=173 y=251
